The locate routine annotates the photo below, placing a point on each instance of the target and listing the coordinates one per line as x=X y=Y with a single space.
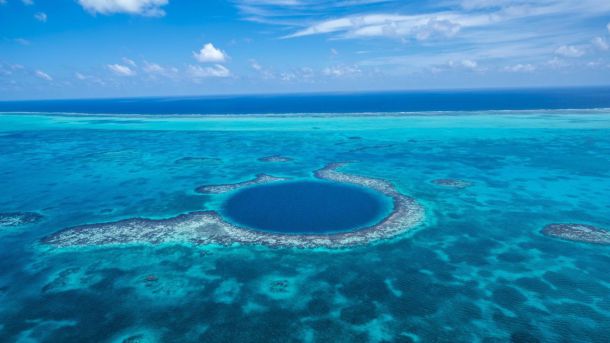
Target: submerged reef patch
x=218 y=189
x=198 y=159
x=275 y=158
x=578 y=233
x=12 y=219
x=452 y=183
x=208 y=227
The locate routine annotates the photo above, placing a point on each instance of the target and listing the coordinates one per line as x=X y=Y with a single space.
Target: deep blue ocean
x=477 y=267
x=414 y=101
x=311 y=207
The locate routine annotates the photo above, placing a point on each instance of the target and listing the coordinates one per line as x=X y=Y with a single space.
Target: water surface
x=305 y=207
x=477 y=270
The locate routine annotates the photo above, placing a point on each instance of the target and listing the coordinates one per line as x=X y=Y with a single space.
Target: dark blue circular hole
x=312 y=207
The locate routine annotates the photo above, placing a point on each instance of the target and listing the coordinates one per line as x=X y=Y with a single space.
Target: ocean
x=112 y=227
x=413 y=101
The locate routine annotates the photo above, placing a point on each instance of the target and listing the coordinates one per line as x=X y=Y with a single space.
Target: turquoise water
x=477 y=269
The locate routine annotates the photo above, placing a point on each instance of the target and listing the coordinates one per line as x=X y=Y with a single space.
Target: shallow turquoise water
x=478 y=269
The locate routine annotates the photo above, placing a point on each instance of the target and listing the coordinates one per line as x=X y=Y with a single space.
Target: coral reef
x=275 y=158
x=452 y=183
x=12 y=219
x=218 y=189
x=578 y=233
x=207 y=227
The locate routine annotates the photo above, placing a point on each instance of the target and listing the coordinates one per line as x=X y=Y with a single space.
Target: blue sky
x=108 y=48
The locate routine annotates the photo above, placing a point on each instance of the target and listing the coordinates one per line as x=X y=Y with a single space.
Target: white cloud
x=421 y=26
x=42 y=75
x=569 y=51
x=89 y=78
x=434 y=27
x=341 y=70
x=155 y=69
x=121 y=70
x=41 y=17
x=217 y=70
x=149 y=8
x=470 y=64
x=601 y=43
x=520 y=68
x=28 y=2
x=265 y=73
x=465 y=64
x=557 y=63
x=209 y=53
x=255 y=65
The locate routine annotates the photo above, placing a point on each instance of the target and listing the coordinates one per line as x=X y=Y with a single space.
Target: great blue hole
x=306 y=207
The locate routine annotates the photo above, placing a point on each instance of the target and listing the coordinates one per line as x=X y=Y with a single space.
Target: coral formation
x=452 y=183
x=208 y=227
x=12 y=219
x=275 y=158
x=578 y=233
x=218 y=189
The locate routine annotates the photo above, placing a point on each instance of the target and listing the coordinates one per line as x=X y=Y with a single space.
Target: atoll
x=275 y=158
x=208 y=227
x=12 y=219
x=218 y=189
x=578 y=233
x=452 y=183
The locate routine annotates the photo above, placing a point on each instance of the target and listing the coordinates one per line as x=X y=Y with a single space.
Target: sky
x=123 y=48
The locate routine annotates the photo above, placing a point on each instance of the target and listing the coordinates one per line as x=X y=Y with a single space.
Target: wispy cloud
x=342 y=70
x=149 y=8
x=520 y=68
x=80 y=76
x=154 y=69
x=121 y=70
x=42 y=75
x=21 y=41
x=520 y=34
x=570 y=51
x=199 y=72
x=449 y=22
x=129 y=62
x=41 y=17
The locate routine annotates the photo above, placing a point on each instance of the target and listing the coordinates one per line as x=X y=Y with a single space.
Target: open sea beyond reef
x=474 y=264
